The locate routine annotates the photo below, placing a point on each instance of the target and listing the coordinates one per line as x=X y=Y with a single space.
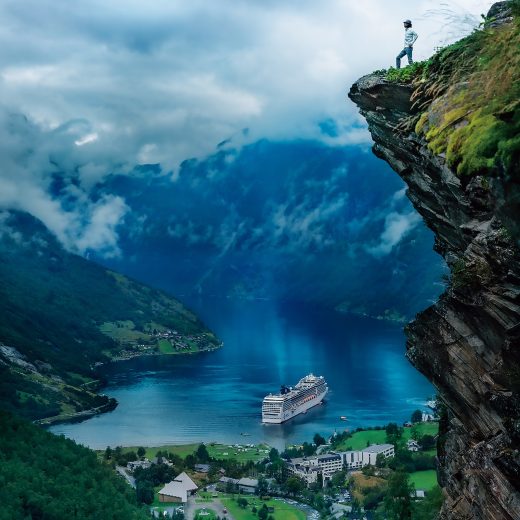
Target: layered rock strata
x=468 y=344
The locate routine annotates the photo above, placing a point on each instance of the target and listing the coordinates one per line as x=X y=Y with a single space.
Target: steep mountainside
x=276 y=220
x=61 y=315
x=450 y=128
x=49 y=477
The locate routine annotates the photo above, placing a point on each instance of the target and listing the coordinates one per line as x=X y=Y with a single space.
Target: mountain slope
x=276 y=220
x=60 y=315
x=47 y=476
x=449 y=128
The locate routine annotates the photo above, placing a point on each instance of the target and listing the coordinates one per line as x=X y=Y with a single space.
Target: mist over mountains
x=279 y=220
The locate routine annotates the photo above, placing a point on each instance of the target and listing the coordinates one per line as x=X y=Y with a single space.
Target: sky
x=90 y=87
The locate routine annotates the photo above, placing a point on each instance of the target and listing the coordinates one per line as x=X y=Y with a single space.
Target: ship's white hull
x=289 y=414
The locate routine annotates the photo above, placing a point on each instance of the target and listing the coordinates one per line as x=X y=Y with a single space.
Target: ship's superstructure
x=278 y=408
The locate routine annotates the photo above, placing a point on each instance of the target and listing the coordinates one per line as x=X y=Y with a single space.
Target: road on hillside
x=126 y=476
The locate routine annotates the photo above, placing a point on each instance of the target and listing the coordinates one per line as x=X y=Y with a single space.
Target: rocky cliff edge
x=468 y=344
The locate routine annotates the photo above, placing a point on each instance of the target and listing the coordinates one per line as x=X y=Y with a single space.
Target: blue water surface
x=217 y=396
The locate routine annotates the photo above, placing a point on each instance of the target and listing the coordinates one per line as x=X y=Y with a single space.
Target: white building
x=308 y=468
x=178 y=489
x=145 y=463
x=358 y=459
x=370 y=453
x=412 y=445
x=330 y=463
x=306 y=473
x=352 y=459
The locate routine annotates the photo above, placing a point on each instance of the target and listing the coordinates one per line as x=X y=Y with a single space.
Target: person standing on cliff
x=409 y=39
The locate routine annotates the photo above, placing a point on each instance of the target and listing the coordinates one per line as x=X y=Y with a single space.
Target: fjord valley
x=62 y=316
x=292 y=248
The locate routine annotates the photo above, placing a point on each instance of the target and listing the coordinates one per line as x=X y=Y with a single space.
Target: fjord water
x=217 y=396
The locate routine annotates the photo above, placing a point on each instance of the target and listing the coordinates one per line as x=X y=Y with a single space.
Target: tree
x=144 y=491
x=380 y=460
x=242 y=502
x=393 y=433
x=416 y=416
x=398 y=500
x=427 y=442
x=108 y=453
x=273 y=455
x=263 y=513
x=263 y=487
x=294 y=485
x=319 y=440
x=338 y=479
x=141 y=452
x=428 y=509
x=308 y=449
x=368 y=470
x=393 y=430
x=202 y=454
x=190 y=461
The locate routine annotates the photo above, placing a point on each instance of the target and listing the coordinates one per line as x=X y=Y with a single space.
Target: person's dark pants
x=407 y=51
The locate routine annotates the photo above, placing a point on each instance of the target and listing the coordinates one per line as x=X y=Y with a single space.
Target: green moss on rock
x=476 y=120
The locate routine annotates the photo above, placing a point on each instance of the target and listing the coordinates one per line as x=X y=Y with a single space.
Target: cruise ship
x=278 y=408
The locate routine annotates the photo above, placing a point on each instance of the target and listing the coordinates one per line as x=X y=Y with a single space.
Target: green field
x=216 y=451
x=359 y=440
x=282 y=511
x=424 y=479
x=427 y=428
x=242 y=454
x=151 y=452
x=165 y=346
x=123 y=331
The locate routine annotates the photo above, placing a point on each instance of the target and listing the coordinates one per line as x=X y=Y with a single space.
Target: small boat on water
x=343 y=418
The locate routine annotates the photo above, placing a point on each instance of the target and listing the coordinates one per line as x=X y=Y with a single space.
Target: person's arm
x=414 y=38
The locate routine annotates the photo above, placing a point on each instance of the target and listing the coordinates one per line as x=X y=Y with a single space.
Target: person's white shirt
x=409 y=37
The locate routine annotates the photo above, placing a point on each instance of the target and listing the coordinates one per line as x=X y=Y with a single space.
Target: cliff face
x=468 y=344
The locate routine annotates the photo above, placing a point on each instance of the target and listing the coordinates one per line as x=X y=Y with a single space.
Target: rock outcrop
x=468 y=344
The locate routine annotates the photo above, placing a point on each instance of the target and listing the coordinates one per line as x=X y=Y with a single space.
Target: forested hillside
x=46 y=476
x=60 y=315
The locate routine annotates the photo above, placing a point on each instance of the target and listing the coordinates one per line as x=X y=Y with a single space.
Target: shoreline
x=155 y=353
x=112 y=404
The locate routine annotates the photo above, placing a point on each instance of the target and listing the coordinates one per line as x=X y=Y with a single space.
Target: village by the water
x=343 y=475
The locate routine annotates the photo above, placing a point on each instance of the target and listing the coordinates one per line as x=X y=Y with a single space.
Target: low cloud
x=105 y=86
x=397 y=227
x=44 y=173
x=169 y=80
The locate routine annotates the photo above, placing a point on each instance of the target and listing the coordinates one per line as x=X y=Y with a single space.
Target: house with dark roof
x=227 y=484
x=248 y=485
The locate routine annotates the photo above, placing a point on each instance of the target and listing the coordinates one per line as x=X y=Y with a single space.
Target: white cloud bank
x=112 y=84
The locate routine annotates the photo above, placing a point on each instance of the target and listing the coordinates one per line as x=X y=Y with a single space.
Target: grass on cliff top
x=477 y=123
x=468 y=99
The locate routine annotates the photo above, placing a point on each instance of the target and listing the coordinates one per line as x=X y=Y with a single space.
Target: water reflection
x=217 y=396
